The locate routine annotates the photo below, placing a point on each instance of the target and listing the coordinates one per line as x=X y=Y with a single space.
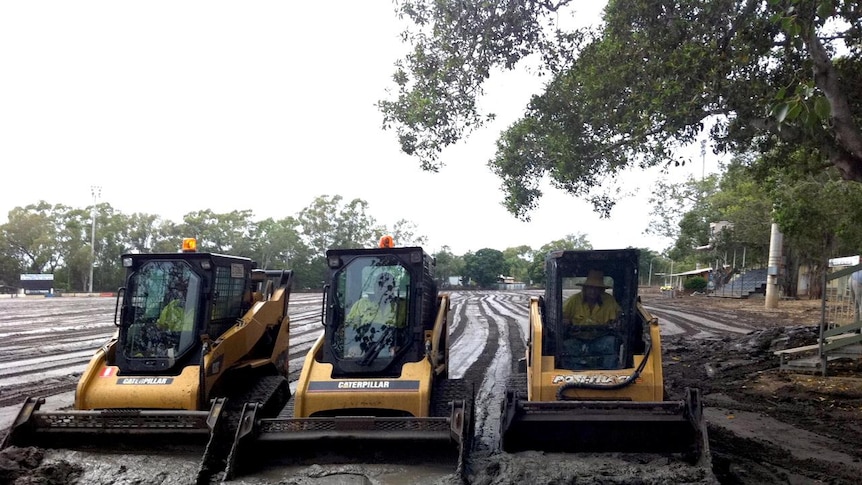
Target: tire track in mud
x=459 y=317
x=490 y=370
x=470 y=339
x=509 y=312
x=698 y=325
x=16 y=394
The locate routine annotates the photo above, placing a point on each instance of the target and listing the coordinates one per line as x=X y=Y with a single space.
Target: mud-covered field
x=765 y=426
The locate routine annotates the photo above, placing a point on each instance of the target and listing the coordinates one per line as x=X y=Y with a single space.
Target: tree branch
x=848 y=154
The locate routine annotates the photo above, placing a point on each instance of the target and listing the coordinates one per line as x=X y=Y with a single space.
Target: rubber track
x=271 y=391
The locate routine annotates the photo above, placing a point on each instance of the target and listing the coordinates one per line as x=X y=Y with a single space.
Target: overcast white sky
x=177 y=106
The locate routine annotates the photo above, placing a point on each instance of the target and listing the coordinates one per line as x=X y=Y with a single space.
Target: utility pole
x=649 y=280
x=703 y=160
x=96 y=192
x=776 y=240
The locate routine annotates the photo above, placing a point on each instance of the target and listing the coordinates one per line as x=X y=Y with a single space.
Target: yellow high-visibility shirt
x=579 y=313
x=365 y=311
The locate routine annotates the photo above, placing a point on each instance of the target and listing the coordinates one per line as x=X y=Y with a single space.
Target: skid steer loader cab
x=376 y=308
x=587 y=344
x=169 y=302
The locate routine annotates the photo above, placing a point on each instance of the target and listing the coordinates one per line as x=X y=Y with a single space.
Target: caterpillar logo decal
x=588 y=379
x=145 y=381
x=360 y=385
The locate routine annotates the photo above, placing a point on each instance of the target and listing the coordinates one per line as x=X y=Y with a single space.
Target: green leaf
x=822 y=108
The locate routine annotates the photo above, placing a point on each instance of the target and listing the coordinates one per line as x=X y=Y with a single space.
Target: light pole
x=95 y=191
x=671 y=277
x=649 y=279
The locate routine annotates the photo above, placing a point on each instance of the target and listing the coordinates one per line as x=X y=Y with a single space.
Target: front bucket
x=33 y=427
x=118 y=431
x=349 y=439
x=607 y=426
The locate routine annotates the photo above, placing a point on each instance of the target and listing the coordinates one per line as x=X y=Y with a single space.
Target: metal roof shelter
x=692 y=272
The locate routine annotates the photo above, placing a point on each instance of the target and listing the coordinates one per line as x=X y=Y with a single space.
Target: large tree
x=570 y=242
x=653 y=77
x=448 y=265
x=518 y=260
x=226 y=233
x=485 y=267
x=819 y=215
x=330 y=223
x=31 y=234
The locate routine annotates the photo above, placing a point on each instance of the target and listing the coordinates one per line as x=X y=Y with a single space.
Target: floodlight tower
x=95 y=191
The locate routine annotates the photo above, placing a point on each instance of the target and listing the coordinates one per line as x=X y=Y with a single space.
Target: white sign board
x=37 y=277
x=845 y=261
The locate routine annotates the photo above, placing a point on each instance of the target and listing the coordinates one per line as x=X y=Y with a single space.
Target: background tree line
x=45 y=238
x=56 y=239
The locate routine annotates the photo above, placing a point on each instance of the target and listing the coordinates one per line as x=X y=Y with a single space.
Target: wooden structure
x=840 y=326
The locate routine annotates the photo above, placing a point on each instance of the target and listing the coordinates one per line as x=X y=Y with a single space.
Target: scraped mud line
x=27 y=339
x=489 y=373
x=675 y=326
x=725 y=316
x=41 y=369
x=57 y=352
x=459 y=318
x=675 y=323
x=15 y=396
x=515 y=310
x=471 y=343
x=802 y=419
x=708 y=322
x=57 y=346
x=509 y=319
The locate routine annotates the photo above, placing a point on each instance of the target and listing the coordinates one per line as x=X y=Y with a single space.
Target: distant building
x=509 y=283
x=677 y=280
x=715 y=230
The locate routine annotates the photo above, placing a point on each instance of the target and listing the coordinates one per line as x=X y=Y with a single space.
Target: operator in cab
x=589 y=316
x=374 y=317
x=593 y=305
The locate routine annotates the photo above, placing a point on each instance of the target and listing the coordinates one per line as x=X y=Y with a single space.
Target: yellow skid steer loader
x=198 y=335
x=592 y=378
x=377 y=377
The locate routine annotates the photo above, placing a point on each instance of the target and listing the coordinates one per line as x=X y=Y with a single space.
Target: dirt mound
x=25 y=466
x=606 y=468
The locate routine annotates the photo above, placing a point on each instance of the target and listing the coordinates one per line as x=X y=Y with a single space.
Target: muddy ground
x=765 y=426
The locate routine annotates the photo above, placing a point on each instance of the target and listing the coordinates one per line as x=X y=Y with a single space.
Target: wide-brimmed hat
x=595 y=278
